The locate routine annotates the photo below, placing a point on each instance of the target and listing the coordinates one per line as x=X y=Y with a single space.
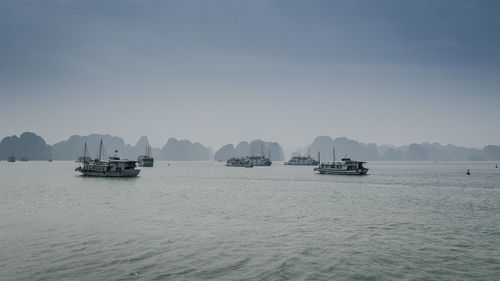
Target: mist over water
x=204 y=221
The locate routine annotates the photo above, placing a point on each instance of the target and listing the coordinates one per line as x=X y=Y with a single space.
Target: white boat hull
x=122 y=174
x=331 y=171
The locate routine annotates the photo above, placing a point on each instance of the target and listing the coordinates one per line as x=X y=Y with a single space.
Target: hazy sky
x=389 y=72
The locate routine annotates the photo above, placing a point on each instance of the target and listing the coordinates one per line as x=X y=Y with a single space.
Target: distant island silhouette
x=256 y=147
x=33 y=147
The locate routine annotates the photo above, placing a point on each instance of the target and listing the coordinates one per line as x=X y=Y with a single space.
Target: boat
x=11 y=158
x=259 y=160
x=146 y=160
x=239 y=162
x=468 y=172
x=345 y=167
x=303 y=161
x=23 y=158
x=114 y=167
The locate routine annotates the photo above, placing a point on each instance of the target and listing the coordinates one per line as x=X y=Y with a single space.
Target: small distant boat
x=146 y=160
x=302 y=161
x=11 y=158
x=345 y=167
x=239 y=162
x=259 y=161
x=114 y=167
x=468 y=172
x=23 y=158
x=496 y=166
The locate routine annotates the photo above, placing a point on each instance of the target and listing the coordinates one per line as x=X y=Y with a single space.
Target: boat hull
x=145 y=163
x=330 y=171
x=244 y=166
x=111 y=174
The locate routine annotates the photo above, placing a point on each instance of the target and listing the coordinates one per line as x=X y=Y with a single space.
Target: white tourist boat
x=114 y=167
x=345 y=167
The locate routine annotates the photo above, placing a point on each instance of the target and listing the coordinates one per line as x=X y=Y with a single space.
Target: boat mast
x=85 y=152
x=319 y=159
x=100 y=150
x=334 y=155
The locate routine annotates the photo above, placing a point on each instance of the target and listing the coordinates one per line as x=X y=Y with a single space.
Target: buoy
x=468 y=172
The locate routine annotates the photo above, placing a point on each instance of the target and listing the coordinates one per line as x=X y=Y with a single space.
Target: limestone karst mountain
x=413 y=152
x=184 y=150
x=492 y=152
x=255 y=147
x=225 y=152
x=28 y=145
x=72 y=148
x=34 y=147
x=343 y=147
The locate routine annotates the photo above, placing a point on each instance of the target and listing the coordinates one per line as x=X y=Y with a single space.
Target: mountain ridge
x=34 y=147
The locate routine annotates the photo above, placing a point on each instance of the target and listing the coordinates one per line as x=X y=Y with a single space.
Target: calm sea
x=205 y=221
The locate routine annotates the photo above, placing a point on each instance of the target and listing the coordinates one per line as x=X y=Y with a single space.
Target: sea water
x=205 y=221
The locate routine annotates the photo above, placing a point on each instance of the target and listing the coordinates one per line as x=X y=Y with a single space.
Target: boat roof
x=109 y=161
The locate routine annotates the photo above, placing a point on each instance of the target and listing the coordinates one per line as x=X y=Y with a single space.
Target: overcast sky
x=217 y=72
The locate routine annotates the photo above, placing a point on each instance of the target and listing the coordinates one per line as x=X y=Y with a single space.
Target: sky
x=217 y=72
